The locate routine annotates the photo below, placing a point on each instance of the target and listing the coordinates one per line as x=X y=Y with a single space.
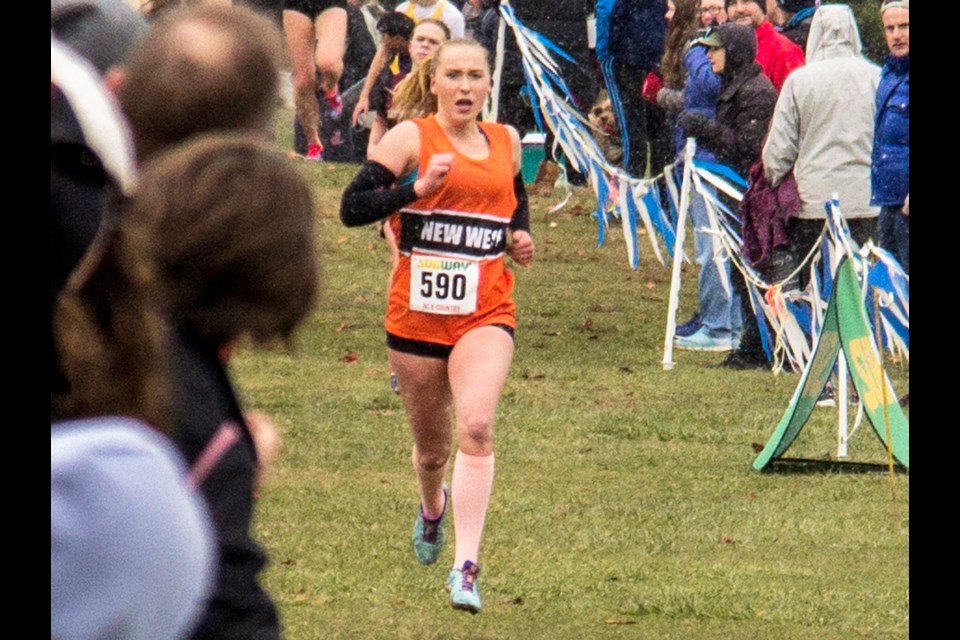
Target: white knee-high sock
x=472 y=485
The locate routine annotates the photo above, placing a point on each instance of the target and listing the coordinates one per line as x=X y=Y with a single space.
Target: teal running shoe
x=428 y=535
x=464 y=592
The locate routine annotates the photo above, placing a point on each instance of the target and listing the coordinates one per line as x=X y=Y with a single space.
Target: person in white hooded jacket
x=822 y=130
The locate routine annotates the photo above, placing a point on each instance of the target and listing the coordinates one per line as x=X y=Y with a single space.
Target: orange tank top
x=451 y=275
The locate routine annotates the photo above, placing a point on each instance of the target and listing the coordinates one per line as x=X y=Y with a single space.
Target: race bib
x=441 y=285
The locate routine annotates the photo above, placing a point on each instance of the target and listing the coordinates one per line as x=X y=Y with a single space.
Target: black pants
x=646 y=123
x=803 y=234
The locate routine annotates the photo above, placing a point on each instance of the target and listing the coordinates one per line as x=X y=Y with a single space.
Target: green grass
x=624 y=506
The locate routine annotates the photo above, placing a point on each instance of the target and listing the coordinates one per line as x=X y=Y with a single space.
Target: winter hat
x=132 y=549
x=793 y=6
x=759 y=3
x=83 y=112
x=102 y=31
x=710 y=39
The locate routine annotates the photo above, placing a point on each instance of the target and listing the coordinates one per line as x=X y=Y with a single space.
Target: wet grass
x=625 y=505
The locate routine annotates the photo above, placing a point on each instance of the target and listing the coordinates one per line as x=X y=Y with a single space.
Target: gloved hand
x=651 y=85
x=693 y=123
x=670 y=100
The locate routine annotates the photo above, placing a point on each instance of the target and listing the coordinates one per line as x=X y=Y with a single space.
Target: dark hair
x=683 y=27
x=394 y=23
x=225 y=224
x=202 y=68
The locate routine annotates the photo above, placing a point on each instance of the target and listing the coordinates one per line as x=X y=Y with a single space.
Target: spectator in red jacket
x=775 y=52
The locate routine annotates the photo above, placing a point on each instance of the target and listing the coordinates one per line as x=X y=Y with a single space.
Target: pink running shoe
x=314 y=152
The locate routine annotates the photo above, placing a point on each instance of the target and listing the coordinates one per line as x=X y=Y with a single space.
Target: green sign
x=844 y=326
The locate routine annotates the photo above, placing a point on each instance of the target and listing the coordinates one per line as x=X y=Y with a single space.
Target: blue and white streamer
x=623 y=197
x=789 y=321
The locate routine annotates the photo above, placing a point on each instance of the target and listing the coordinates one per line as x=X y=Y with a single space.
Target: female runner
x=450 y=315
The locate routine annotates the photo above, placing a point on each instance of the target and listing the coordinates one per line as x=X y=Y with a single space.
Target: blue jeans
x=720 y=312
x=893 y=229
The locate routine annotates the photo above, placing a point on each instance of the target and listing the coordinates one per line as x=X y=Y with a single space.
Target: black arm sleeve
x=370 y=196
x=521 y=215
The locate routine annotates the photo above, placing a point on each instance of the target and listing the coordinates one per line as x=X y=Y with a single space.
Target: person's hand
x=670 y=100
x=520 y=247
x=363 y=105
x=906 y=205
x=266 y=441
x=693 y=123
x=437 y=169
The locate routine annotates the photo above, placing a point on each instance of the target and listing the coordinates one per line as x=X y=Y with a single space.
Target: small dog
x=607 y=133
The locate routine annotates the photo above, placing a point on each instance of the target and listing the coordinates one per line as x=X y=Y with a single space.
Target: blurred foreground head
x=217 y=240
x=224 y=224
x=202 y=68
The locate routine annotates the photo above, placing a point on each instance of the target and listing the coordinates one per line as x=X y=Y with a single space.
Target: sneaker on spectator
x=689 y=327
x=701 y=341
x=827 y=397
x=740 y=360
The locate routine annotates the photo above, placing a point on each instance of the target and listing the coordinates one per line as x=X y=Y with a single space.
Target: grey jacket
x=822 y=128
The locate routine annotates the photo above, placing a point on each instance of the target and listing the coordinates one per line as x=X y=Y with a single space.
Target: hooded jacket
x=744 y=105
x=822 y=128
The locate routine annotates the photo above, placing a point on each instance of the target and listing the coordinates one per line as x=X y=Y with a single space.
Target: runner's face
x=461 y=81
x=427 y=38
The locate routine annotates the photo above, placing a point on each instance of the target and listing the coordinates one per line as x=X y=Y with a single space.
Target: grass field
x=624 y=505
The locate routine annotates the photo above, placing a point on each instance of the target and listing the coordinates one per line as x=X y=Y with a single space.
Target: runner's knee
x=433 y=458
x=477 y=430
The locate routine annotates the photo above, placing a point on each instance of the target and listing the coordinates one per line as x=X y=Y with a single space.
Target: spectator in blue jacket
x=890 y=174
x=716 y=324
x=630 y=43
